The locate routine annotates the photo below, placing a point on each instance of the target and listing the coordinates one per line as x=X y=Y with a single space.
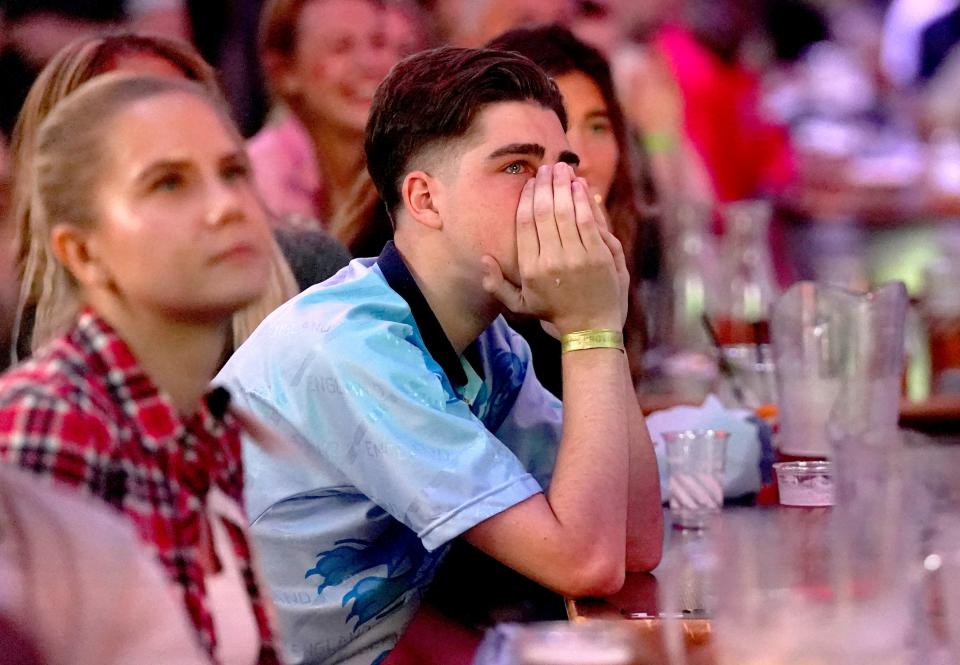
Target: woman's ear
x=72 y=247
x=421 y=194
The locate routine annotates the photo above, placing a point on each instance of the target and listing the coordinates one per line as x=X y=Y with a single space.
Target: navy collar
x=398 y=276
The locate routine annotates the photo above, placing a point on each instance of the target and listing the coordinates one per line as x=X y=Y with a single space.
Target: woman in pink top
x=322 y=60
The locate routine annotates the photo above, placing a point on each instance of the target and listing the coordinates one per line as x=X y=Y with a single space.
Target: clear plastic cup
x=695 y=462
x=806 y=484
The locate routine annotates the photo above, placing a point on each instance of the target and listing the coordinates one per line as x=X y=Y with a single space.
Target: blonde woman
x=71 y=67
x=145 y=216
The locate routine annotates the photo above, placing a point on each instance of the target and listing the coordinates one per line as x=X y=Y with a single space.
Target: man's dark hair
x=434 y=96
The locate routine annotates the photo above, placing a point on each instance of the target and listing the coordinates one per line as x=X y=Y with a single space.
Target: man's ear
x=421 y=194
x=73 y=248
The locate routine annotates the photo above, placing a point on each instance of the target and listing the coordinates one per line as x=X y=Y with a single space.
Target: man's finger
x=616 y=248
x=500 y=287
x=564 y=211
x=547 y=233
x=596 y=204
x=586 y=223
x=528 y=247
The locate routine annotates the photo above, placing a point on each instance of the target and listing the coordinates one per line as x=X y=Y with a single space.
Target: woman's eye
x=236 y=172
x=600 y=128
x=168 y=183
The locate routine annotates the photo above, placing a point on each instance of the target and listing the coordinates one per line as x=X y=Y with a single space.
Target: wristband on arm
x=592 y=339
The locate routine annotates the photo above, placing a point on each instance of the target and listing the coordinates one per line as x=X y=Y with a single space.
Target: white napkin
x=741 y=472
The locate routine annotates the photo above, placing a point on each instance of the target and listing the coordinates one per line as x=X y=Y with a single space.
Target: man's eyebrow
x=534 y=149
x=568 y=157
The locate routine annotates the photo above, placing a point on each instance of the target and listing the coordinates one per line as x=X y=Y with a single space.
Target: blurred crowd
x=731 y=146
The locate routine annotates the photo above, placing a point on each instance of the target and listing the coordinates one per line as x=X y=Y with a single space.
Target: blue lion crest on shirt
x=408 y=565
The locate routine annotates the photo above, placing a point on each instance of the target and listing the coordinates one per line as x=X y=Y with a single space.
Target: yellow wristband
x=592 y=339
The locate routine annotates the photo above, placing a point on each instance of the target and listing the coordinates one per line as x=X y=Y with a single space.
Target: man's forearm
x=588 y=492
x=644 y=513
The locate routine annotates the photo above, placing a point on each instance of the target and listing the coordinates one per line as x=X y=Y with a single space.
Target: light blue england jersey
x=408 y=445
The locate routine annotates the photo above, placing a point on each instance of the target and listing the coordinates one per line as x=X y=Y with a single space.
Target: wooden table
x=639 y=602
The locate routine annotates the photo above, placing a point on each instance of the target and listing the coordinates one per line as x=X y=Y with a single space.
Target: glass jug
x=692 y=261
x=839 y=359
x=748 y=287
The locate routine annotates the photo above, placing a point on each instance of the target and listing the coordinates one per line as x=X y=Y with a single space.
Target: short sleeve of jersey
x=374 y=411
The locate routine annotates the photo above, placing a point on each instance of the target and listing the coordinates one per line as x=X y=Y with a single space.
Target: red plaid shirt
x=83 y=412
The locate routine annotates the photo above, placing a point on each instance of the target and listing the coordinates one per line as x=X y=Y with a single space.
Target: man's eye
x=515 y=168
